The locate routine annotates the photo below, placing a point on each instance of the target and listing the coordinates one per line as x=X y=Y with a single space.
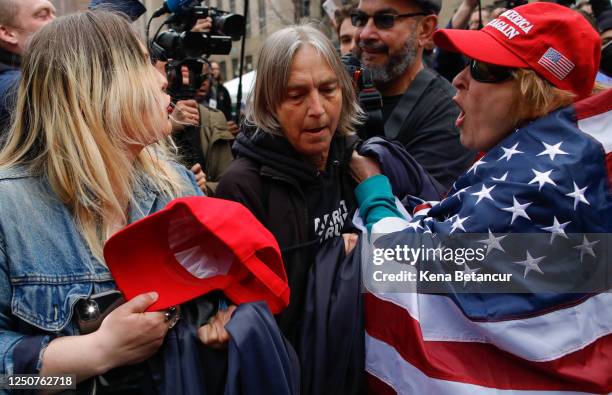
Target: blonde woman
x=86 y=155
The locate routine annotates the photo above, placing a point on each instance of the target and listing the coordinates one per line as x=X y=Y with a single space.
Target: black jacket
x=9 y=78
x=424 y=122
x=283 y=191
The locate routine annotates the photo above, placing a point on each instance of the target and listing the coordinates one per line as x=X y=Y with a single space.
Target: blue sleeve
x=192 y=188
x=27 y=354
x=376 y=200
x=19 y=354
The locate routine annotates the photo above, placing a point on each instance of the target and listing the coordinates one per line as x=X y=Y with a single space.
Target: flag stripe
x=560 y=74
x=377 y=386
x=440 y=319
x=560 y=65
x=585 y=370
x=388 y=366
x=600 y=128
x=594 y=105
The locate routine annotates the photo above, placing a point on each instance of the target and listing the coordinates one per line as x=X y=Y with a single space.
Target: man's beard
x=397 y=64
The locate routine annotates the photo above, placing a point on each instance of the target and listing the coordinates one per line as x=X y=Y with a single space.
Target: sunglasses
x=489 y=73
x=381 y=21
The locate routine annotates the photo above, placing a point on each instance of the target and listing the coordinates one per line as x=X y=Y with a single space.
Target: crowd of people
x=483 y=116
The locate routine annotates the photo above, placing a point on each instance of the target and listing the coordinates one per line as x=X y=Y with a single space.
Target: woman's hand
x=213 y=334
x=363 y=167
x=129 y=335
x=200 y=176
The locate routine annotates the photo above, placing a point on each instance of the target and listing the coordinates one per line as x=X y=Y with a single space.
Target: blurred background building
x=264 y=18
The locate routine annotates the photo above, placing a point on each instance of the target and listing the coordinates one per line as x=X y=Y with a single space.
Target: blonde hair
x=274 y=68
x=88 y=94
x=537 y=97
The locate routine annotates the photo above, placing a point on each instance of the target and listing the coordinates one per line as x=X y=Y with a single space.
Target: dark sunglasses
x=489 y=73
x=381 y=21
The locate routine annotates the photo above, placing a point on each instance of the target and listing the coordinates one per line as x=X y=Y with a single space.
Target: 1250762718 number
x=33 y=381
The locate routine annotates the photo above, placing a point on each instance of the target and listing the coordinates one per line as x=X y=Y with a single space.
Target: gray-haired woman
x=292 y=166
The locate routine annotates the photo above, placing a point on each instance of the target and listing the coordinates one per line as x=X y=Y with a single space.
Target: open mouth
x=314 y=130
x=461 y=118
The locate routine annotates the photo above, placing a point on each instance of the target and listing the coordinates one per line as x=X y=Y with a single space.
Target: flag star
x=458 y=223
x=509 y=152
x=556 y=229
x=466 y=273
x=517 y=210
x=586 y=247
x=475 y=166
x=459 y=192
x=500 y=179
x=530 y=264
x=552 y=150
x=493 y=243
x=542 y=178
x=578 y=195
x=485 y=193
x=415 y=225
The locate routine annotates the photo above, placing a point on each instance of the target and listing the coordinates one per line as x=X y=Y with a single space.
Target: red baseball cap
x=196 y=245
x=557 y=43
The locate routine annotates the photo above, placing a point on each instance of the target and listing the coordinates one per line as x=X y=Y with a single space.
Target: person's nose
x=315 y=105
x=461 y=81
x=161 y=79
x=368 y=32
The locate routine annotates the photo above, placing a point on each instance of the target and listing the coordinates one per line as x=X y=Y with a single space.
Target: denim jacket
x=45 y=264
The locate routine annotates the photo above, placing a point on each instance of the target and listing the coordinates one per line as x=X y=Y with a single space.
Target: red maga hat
x=557 y=43
x=196 y=245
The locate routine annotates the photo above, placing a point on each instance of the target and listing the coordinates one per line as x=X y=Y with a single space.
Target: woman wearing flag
x=527 y=102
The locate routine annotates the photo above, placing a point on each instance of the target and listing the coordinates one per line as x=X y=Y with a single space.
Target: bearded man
x=418 y=110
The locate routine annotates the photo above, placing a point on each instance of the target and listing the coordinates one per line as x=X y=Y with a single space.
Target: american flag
x=549 y=176
x=556 y=63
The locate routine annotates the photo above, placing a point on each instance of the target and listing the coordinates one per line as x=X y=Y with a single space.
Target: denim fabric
x=45 y=264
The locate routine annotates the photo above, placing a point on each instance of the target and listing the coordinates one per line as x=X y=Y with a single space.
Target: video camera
x=508 y=4
x=181 y=47
x=369 y=97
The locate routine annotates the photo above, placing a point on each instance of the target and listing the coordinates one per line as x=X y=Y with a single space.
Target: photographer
x=202 y=136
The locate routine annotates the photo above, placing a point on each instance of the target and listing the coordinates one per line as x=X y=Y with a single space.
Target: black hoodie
x=299 y=204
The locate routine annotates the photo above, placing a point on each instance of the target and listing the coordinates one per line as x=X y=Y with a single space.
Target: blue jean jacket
x=46 y=266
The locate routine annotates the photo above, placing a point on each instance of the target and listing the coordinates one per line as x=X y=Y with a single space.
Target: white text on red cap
x=508 y=29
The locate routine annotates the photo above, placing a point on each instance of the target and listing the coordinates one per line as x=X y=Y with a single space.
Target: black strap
x=404 y=108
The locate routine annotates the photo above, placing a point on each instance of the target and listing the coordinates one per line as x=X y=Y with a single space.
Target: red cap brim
x=479 y=45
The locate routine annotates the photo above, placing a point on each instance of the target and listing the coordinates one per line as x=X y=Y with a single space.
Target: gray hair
x=274 y=68
x=8 y=12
